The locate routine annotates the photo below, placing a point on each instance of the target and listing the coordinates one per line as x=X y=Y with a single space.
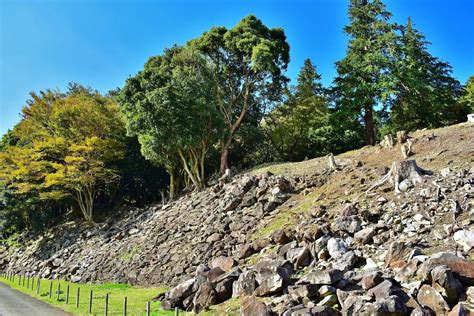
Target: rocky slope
x=294 y=239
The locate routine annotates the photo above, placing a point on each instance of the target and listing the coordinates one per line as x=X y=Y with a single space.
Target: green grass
x=137 y=298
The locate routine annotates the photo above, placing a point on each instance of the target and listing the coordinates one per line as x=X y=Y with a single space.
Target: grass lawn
x=137 y=298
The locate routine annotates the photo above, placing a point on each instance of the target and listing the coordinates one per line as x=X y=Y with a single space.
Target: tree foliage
x=248 y=64
x=168 y=105
x=67 y=144
x=364 y=79
x=426 y=93
x=299 y=127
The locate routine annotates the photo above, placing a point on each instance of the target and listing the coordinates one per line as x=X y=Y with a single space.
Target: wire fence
x=81 y=296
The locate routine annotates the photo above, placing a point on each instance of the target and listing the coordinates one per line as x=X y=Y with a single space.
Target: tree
x=298 y=127
x=364 y=79
x=426 y=93
x=67 y=145
x=248 y=62
x=169 y=106
x=467 y=99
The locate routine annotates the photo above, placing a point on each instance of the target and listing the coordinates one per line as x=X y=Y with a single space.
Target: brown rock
x=251 y=307
x=370 y=280
x=204 y=297
x=429 y=297
x=246 y=251
x=280 y=238
x=224 y=263
x=397 y=251
x=462 y=268
x=364 y=236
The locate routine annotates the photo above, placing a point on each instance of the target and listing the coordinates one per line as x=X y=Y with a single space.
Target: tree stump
x=406 y=169
x=402 y=136
x=226 y=177
x=332 y=162
x=388 y=141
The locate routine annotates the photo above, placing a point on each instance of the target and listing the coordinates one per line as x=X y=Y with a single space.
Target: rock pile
x=409 y=256
x=161 y=245
x=333 y=242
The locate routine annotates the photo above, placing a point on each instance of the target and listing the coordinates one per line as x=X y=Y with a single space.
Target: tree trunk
x=369 y=125
x=225 y=155
x=85 y=200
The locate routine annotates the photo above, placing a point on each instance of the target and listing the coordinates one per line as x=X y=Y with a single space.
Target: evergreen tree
x=364 y=80
x=426 y=92
x=467 y=99
x=297 y=127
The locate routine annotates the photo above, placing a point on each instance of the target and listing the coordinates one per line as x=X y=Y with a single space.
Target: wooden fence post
x=23 y=280
x=90 y=302
x=106 y=304
x=38 y=284
x=28 y=283
x=67 y=294
x=77 y=296
x=125 y=306
x=176 y=311
x=148 y=308
x=50 y=288
x=19 y=279
x=58 y=290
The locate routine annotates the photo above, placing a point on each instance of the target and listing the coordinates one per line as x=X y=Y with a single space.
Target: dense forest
x=220 y=101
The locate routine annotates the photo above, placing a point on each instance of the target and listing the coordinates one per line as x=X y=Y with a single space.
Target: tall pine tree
x=426 y=93
x=364 y=82
x=297 y=128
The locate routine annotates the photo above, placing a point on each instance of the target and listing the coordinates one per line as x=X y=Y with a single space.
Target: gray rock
x=350 y=224
x=245 y=285
x=405 y=185
x=321 y=277
x=272 y=276
x=298 y=292
x=445 y=282
x=337 y=247
x=300 y=257
x=465 y=238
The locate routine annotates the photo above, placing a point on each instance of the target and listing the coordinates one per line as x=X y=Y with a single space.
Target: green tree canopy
x=298 y=127
x=364 y=78
x=248 y=62
x=426 y=93
x=467 y=98
x=169 y=106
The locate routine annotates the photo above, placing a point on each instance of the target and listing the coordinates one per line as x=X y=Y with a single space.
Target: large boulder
x=429 y=297
x=463 y=269
x=272 y=276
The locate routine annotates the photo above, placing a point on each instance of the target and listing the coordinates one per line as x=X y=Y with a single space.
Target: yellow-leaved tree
x=67 y=148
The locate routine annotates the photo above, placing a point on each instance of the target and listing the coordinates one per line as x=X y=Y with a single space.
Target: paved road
x=14 y=303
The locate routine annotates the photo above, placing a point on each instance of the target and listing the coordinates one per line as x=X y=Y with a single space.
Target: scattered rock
x=429 y=297
x=336 y=247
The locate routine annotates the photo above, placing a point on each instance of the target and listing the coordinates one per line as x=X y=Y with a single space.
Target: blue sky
x=48 y=43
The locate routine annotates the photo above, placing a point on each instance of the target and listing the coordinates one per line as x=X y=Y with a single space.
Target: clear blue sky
x=48 y=43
